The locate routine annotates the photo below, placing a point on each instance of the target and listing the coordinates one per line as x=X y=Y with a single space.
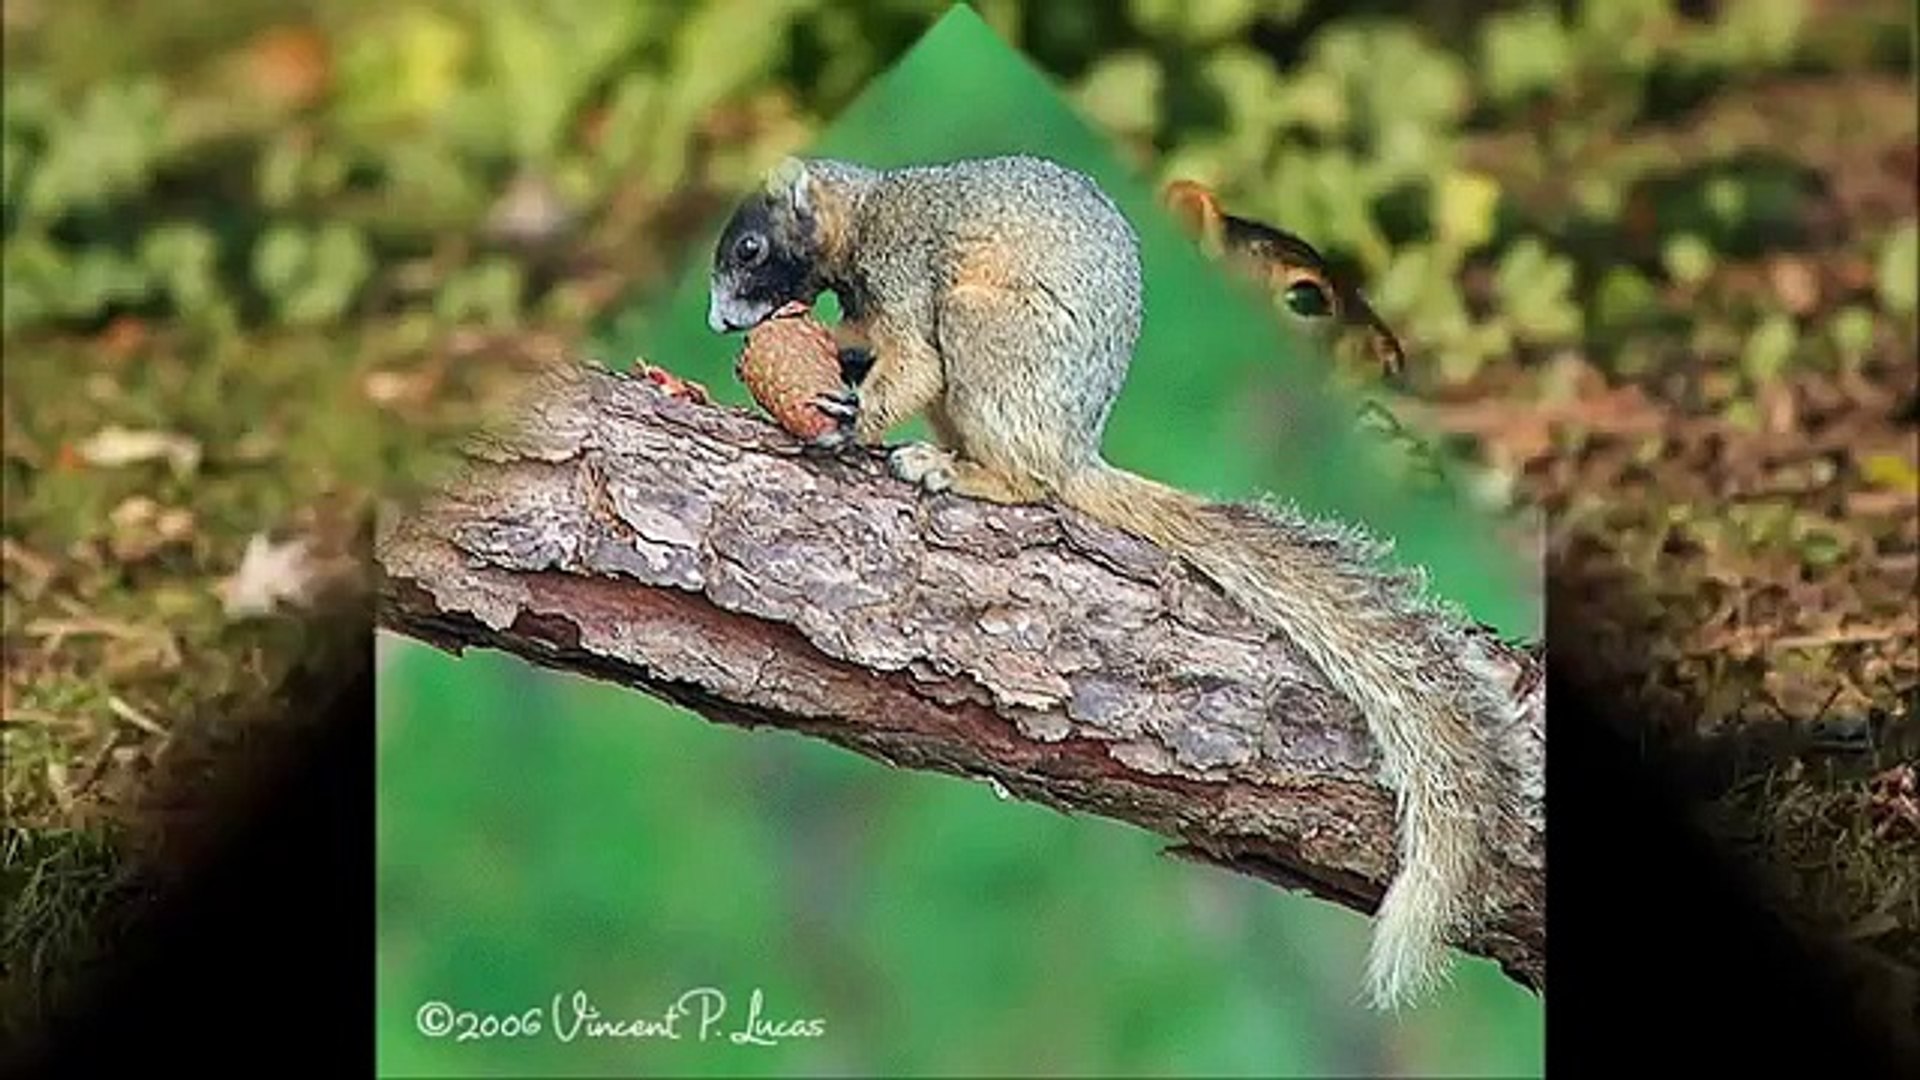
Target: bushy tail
x=1418 y=679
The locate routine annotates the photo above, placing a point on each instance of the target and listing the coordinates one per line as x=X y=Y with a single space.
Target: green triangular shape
x=1212 y=363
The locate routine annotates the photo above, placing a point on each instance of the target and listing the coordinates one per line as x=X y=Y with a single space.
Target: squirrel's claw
x=843 y=407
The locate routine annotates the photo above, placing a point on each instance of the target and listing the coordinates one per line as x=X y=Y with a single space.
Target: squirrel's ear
x=1197 y=209
x=790 y=182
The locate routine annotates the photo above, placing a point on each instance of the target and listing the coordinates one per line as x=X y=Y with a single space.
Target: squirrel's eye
x=1308 y=300
x=750 y=248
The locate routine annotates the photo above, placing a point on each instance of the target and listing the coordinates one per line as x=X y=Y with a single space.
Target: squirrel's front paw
x=923 y=464
x=842 y=407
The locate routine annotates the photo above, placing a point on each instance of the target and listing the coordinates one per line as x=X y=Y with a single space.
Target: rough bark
x=695 y=553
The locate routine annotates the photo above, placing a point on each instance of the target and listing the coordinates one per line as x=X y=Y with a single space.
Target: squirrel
x=1001 y=298
x=1315 y=298
x=1291 y=271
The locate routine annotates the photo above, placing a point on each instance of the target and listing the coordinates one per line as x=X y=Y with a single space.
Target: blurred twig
x=693 y=553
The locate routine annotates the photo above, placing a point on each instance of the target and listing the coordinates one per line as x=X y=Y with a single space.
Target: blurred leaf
x=1251 y=89
x=1688 y=259
x=1623 y=35
x=269 y=574
x=1122 y=93
x=1315 y=100
x=627 y=133
x=403 y=68
x=1889 y=471
x=184 y=257
x=1851 y=331
x=1769 y=348
x=1407 y=95
x=1523 y=53
x=1624 y=297
x=1726 y=199
x=107 y=149
x=1757 y=32
x=712 y=60
x=279 y=260
x=311 y=278
x=537 y=74
x=1535 y=287
x=1899 y=269
x=489 y=292
x=277 y=174
x=115 y=447
x=1464 y=208
x=102 y=277
x=1195 y=21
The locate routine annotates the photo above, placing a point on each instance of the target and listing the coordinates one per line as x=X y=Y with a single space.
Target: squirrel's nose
x=715 y=321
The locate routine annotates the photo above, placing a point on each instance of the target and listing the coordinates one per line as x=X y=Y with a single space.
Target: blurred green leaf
x=184 y=256
x=1122 y=92
x=538 y=75
x=1623 y=35
x=278 y=172
x=1464 y=205
x=712 y=60
x=1726 y=199
x=1890 y=471
x=106 y=149
x=1535 y=287
x=403 y=69
x=311 y=277
x=280 y=260
x=1523 y=53
x=1851 y=331
x=1899 y=268
x=489 y=292
x=1624 y=298
x=1688 y=259
x=1195 y=20
x=1251 y=89
x=1770 y=348
x=1757 y=32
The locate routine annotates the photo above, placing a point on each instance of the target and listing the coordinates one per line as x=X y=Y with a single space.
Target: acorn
x=789 y=362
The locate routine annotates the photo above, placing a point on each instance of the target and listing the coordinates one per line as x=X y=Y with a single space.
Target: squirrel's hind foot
x=936 y=469
x=924 y=465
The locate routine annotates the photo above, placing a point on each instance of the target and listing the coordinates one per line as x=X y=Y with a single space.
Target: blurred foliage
x=319 y=170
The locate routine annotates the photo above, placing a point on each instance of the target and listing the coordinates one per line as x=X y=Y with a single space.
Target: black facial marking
x=765 y=254
x=1269 y=242
x=855 y=362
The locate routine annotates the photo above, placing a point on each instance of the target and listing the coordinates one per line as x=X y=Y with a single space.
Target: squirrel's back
x=937 y=246
x=1053 y=225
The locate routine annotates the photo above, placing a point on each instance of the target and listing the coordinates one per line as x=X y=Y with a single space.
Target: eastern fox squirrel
x=1002 y=298
x=1291 y=271
x=1328 y=306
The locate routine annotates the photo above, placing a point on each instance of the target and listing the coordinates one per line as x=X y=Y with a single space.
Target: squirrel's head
x=769 y=253
x=1302 y=284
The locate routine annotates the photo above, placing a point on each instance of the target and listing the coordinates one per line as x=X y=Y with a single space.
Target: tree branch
x=693 y=552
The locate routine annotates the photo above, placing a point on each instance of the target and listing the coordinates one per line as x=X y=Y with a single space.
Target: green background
x=540 y=834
